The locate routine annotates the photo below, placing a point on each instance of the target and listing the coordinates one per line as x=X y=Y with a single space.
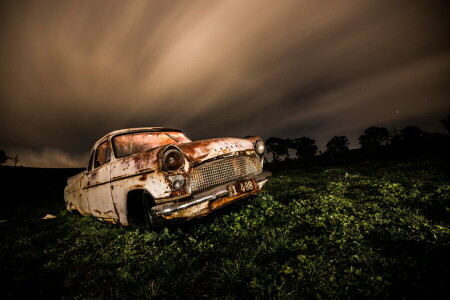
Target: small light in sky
x=397 y=111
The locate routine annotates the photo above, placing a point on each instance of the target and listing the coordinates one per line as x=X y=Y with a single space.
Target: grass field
x=372 y=229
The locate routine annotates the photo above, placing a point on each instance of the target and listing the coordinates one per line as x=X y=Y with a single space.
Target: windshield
x=131 y=143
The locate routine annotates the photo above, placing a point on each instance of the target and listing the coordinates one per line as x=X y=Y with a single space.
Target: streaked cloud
x=72 y=71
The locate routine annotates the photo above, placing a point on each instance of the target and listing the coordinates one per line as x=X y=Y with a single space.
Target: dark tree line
x=305 y=147
x=409 y=139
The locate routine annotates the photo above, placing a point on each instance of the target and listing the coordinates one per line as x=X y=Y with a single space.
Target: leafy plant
x=367 y=230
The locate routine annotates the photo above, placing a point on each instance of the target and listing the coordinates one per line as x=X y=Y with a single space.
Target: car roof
x=138 y=129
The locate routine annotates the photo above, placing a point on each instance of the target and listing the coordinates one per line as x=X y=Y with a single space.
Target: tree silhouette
x=337 y=144
x=446 y=122
x=15 y=159
x=410 y=136
x=277 y=147
x=374 y=137
x=305 y=147
x=3 y=157
x=289 y=144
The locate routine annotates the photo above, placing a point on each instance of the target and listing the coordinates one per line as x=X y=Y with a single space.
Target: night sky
x=72 y=71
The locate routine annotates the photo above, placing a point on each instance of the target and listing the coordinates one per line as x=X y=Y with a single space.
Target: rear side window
x=102 y=154
x=91 y=161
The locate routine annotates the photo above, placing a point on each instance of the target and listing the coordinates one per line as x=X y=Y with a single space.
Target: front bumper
x=203 y=203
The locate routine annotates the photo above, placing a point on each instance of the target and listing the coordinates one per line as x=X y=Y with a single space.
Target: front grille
x=223 y=171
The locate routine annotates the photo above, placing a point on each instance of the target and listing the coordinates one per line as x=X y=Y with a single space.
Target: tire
x=151 y=220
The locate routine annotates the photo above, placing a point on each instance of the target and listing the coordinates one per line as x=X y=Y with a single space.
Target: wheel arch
x=134 y=203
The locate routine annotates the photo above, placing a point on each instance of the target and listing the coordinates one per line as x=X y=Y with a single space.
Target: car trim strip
x=120 y=178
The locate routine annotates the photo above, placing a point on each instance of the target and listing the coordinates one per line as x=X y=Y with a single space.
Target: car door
x=98 y=185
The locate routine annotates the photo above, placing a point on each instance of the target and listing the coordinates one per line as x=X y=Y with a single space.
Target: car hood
x=200 y=151
x=196 y=152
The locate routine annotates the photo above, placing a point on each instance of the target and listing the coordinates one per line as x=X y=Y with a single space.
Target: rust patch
x=109 y=220
x=177 y=193
x=137 y=186
x=144 y=160
x=143 y=177
x=199 y=151
x=93 y=175
x=170 y=184
x=225 y=201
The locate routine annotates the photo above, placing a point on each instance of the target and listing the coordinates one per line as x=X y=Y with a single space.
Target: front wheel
x=151 y=220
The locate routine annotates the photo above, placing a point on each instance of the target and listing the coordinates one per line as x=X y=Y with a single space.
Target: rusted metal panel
x=75 y=196
x=204 y=208
x=98 y=192
x=201 y=151
x=201 y=209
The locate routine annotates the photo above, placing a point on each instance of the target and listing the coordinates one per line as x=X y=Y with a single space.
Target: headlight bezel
x=174 y=153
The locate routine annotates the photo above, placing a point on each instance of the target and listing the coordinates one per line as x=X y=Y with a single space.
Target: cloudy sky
x=71 y=71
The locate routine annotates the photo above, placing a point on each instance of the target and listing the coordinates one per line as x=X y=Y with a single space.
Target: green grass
x=367 y=230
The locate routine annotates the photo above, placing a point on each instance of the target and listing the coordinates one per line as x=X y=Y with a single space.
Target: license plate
x=242 y=187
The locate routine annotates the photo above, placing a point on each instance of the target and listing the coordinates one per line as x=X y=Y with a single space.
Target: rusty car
x=146 y=176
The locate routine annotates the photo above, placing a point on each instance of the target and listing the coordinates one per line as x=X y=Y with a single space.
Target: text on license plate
x=242 y=186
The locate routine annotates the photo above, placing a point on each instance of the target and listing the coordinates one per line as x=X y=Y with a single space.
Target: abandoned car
x=145 y=176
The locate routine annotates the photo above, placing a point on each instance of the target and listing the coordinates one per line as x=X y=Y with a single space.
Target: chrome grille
x=223 y=171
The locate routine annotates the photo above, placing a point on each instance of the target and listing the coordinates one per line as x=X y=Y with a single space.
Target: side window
x=102 y=154
x=91 y=161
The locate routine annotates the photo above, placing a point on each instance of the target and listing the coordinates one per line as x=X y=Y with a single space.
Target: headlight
x=178 y=185
x=177 y=182
x=172 y=160
x=260 y=147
